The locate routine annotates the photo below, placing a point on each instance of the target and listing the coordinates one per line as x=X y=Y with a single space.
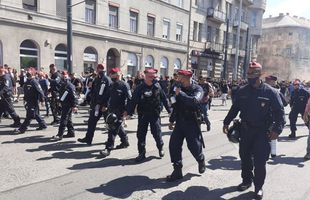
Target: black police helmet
x=233 y=134
x=112 y=121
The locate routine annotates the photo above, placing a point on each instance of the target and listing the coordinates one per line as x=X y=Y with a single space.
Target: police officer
x=299 y=99
x=54 y=80
x=204 y=103
x=6 y=97
x=120 y=95
x=68 y=100
x=187 y=118
x=99 y=101
x=262 y=119
x=33 y=93
x=148 y=97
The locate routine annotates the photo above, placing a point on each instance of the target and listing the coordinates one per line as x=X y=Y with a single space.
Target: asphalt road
x=33 y=167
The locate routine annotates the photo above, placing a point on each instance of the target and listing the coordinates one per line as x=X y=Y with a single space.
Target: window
x=254 y=19
x=61 y=9
x=150 y=26
x=166 y=29
x=195 y=31
x=61 y=57
x=200 y=32
x=30 y=5
x=179 y=31
x=28 y=54
x=217 y=35
x=164 y=66
x=234 y=41
x=209 y=34
x=180 y=3
x=149 y=62
x=113 y=17
x=90 y=11
x=133 y=22
x=228 y=10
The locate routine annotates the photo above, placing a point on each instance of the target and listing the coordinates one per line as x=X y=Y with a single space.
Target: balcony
x=248 y=2
x=216 y=15
x=243 y=26
x=217 y=47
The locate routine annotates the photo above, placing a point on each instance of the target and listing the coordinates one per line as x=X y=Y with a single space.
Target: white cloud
x=300 y=8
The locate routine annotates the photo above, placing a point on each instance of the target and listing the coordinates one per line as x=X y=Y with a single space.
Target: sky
x=301 y=8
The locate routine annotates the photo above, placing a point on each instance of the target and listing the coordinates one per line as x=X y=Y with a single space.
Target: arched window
x=1 y=54
x=177 y=64
x=28 y=52
x=61 y=56
x=132 y=64
x=90 y=59
x=164 y=66
x=149 y=62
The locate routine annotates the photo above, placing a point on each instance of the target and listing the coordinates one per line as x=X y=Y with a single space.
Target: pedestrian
x=262 y=119
x=33 y=94
x=43 y=81
x=68 y=101
x=6 y=96
x=99 y=96
x=120 y=95
x=306 y=118
x=54 y=90
x=204 y=103
x=224 y=90
x=187 y=118
x=299 y=99
x=148 y=97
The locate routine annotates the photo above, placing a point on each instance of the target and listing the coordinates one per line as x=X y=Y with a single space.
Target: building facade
x=284 y=49
x=130 y=34
x=215 y=21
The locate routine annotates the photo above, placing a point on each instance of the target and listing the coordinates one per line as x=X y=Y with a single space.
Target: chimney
x=288 y=14
x=281 y=14
x=295 y=16
x=302 y=18
x=270 y=16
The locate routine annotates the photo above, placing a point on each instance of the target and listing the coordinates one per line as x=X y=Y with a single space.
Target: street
x=34 y=167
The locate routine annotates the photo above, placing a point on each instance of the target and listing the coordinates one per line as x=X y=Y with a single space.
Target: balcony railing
x=243 y=25
x=217 y=47
x=216 y=15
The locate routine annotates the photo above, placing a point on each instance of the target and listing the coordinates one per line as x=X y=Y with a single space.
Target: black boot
x=122 y=145
x=292 y=135
x=176 y=174
x=105 y=152
x=140 y=157
x=16 y=123
x=201 y=166
x=69 y=135
x=84 y=140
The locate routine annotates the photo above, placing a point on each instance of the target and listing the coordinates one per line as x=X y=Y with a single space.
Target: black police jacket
x=5 y=89
x=67 y=96
x=100 y=92
x=33 y=92
x=55 y=82
x=299 y=99
x=148 y=99
x=187 y=105
x=120 y=95
x=259 y=108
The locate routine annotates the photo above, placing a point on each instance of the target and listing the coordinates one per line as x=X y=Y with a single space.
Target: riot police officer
x=187 y=118
x=148 y=97
x=99 y=101
x=68 y=100
x=33 y=93
x=262 y=119
x=298 y=103
x=120 y=95
x=54 y=80
x=6 y=97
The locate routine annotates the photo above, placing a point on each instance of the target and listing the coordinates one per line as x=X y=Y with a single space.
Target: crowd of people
x=186 y=99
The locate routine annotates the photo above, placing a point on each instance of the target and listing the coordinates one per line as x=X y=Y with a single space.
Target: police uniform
x=33 y=93
x=120 y=95
x=298 y=103
x=55 y=84
x=261 y=111
x=6 y=104
x=148 y=99
x=187 y=117
x=99 y=94
x=68 y=100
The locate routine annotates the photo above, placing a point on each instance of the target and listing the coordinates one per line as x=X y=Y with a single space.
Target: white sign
x=90 y=57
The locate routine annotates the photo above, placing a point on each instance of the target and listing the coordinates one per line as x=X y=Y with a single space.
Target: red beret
x=271 y=78
x=100 y=66
x=64 y=73
x=183 y=72
x=115 y=70
x=255 y=65
x=151 y=70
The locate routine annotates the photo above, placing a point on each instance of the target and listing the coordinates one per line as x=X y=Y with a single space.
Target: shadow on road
x=224 y=163
x=109 y=162
x=281 y=159
x=200 y=192
x=287 y=139
x=30 y=139
x=128 y=184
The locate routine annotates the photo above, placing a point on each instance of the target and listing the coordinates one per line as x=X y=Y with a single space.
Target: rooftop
x=285 y=21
